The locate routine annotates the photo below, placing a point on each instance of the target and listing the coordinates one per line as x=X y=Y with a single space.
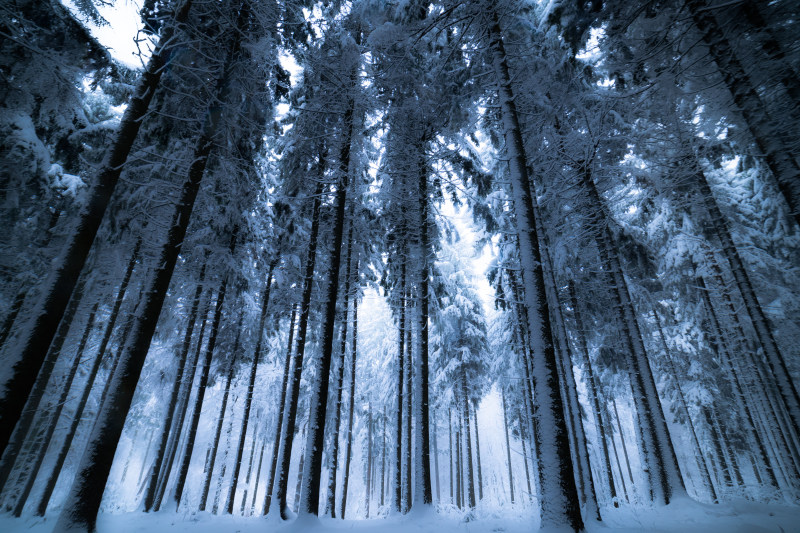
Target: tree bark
x=558 y=498
x=277 y=442
x=401 y=330
x=508 y=448
x=369 y=459
x=248 y=401
x=51 y=427
x=35 y=337
x=223 y=406
x=351 y=408
x=25 y=421
x=478 y=452
x=464 y=408
x=592 y=390
x=158 y=463
x=293 y=394
x=330 y=505
x=422 y=493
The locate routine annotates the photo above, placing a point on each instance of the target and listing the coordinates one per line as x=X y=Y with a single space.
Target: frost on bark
x=558 y=498
x=35 y=336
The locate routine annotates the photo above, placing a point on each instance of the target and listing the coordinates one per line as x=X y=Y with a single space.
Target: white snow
x=679 y=516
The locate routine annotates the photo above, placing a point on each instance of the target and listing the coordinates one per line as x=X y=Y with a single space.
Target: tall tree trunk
x=464 y=408
x=422 y=478
x=258 y=475
x=369 y=458
x=716 y=441
x=202 y=385
x=592 y=390
x=401 y=331
x=436 y=458
x=25 y=421
x=83 y=501
x=662 y=469
x=450 y=448
x=309 y=500
x=248 y=401
x=276 y=444
x=780 y=160
x=222 y=407
x=622 y=440
x=408 y=478
x=182 y=409
x=35 y=337
x=383 y=460
x=330 y=505
x=459 y=490
x=774 y=357
x=351 y=408
x=478 y=452
x=525 y=453
x=293 y=393
x=51 y=427
x=300 y=469
x=701 y=461
x=177 y=385
x=508 y=447
x=249 y=469
x=558 y=498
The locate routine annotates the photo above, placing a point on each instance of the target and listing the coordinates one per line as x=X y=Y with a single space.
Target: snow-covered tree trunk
x=351 y=408
x=202 y=385
x=156 y=470
x=223 y=405
x=248 y=401
x=258 y=474
x=508 y=447
x=422 y=472
x=592 y=393
x=401 y=333
x=465 y=423
x=330 y=505
x=250 y=462
x=450 y=449
x=34 y=337
x=276 y=443
x=293 y=393
x=53 y=419
x=585 y=479
x=436 y=456
x=368 y=489
x=408 y=452
x=774 y=357
x=662 y=469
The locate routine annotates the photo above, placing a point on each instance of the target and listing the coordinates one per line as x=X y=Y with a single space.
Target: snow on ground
x=680 y=516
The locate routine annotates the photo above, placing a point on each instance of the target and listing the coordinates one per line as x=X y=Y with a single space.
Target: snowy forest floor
x=688 y=516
